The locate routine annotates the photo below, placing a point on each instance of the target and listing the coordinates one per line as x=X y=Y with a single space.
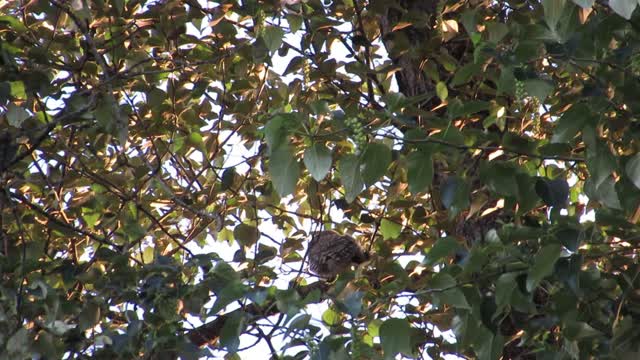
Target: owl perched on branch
x=331 y=253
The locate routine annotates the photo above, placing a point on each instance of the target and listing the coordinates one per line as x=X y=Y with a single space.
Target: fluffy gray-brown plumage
x=331 y=253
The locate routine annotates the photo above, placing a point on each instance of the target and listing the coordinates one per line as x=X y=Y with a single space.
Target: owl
x=331 y=253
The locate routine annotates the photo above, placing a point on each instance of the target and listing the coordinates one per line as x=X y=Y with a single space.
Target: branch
x=44 y=213
x=484 y=148
x=210 y=332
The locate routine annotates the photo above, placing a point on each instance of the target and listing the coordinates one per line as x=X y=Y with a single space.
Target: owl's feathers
x=331 y=253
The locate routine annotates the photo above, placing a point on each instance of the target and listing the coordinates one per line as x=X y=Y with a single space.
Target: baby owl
x=331 y=253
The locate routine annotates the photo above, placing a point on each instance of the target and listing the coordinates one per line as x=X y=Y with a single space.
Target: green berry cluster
x=359 y=136
x=528 y=104
x=521 y=92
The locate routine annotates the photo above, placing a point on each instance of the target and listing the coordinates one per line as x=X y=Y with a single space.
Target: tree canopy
x=163 y=164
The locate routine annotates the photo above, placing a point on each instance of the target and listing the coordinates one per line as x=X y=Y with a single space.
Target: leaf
x=16 y=115
x=490 y=346
x=623 y=8
x=352 y=303
x=277 y=130
x=454 y=297
x=454 y=194
x=231 y=331
x=442 y=91
x=295 y=22
x=570 y=123
x=606 y=194
x=462 y=76
x=442 y=281
x=553 y=12
x=317 y=159
x=349 y=169
x=543 y=264
x=89 y=317
x=507 y=81
x=632 y=169
x=246 y=235
x=499 y=178
x=228 y=176
x=272 y=37
x=395 y=337
x=18 y=342
x=420 y=170
x=553 y=192
x=570 y=238
x=13 y=23
x=331 y=317
x=284 y=170
x=442 y=248
x=600 y=162
x=390 y=229
x=539 y=88
x=228 y=294
x=375 y=161
x=505 y=285
x=585 y=4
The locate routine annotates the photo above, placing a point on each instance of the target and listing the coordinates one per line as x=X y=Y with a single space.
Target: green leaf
x=499 y=178
x=295 y=22
x=390 y=229
x=623 y=8
x=600 y=162
x=317 y=159
x=454 y=194
x=228 y=176
x=395 y=337
x=539 y=88
x=13 y=23
x=606 y=194
x=570 y=123
x=462 y=76
x=507 y=81
x=442 y=91
x=490 y=346
x=16 y=115
x=578 y=330
x=231 y=331
x=375 y=161
x=570 y=238
x=632 y=169
x=585 y=4
x=246 y=235
x=18 y=343
x=543 y=265
x=505 y=285
x=272 y=37
x=277 y=130
x=553 y=192
x=420 y=170
x=553 y=12
x=441 y=249
x=349 y=169
x=230 y=293
x=442 y=281
x=352 y=303
x=18 y=89
x=284 y=170
x=89 y=317
x=331 y=317
x=454 y=297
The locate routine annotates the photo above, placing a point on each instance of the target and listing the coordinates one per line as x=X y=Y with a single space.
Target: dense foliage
x=162 y=164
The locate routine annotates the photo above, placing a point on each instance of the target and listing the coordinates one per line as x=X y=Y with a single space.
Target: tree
x=492 y=143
